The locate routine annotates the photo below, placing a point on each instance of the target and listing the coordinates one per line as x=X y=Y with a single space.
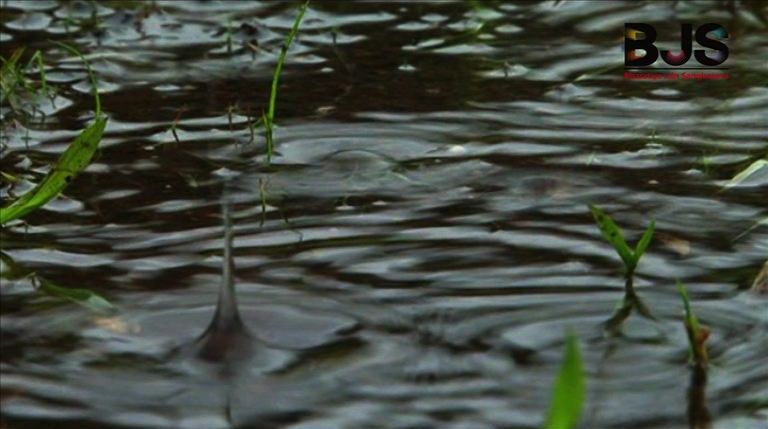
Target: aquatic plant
x=83 y=297
x=697 y=333
x=631 y=258
x=760 y=285
x=268 y=118
x=74 y=160
x=744 y=174
x=10 y=270
x=569 y=389
x=612 y=233
x=14 y=83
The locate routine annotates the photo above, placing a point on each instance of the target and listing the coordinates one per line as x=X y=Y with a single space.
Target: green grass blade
x=11 y=78
x=746 y=173
x=281 y=60
x=37 y=60
x=697 y=334
x=269 y=118
x=74 y=160
x=91 y=75
x=83 y=297
x=570 y=389
x=645 y=240
x=613 y=235
x=690 y=318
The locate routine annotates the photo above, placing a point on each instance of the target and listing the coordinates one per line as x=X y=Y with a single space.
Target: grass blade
x=569 y=391
x=91 y=75
x=11 y=78
x=697 y=333
x=281 y=59
x=612 y=233
x=760 y=285
x=645 y=240
x=269 y=118
x=82 y=297
x=73 y=161
x=746 y=173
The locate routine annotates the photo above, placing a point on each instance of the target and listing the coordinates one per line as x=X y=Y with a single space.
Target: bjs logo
x=633 y=41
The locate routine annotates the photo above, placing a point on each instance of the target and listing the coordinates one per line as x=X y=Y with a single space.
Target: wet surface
x=424 y=242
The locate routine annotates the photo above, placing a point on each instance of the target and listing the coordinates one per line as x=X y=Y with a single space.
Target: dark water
x=426 y=241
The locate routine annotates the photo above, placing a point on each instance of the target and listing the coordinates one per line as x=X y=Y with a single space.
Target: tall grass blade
x=73 y=161
x=569 y=391
x=270 y=116
x=91 y=75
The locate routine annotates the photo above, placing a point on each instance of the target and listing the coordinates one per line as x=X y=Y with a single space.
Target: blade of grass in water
x=645 y=240
x=91 y=75
x=697 y=333
x=569 y=391
x=83 y=297
x=743 y=175
x=269 y=118
x=11 y=271
x=73 y=161
x=11 y=78
x=613 y=235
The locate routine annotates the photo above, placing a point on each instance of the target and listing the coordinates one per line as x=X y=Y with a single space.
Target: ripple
x=419 y=245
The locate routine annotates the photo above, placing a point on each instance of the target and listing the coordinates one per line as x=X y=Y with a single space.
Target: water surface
x=424 y=242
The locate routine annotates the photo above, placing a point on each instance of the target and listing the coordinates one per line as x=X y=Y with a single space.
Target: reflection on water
x=698 y=413
x=422 y=239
